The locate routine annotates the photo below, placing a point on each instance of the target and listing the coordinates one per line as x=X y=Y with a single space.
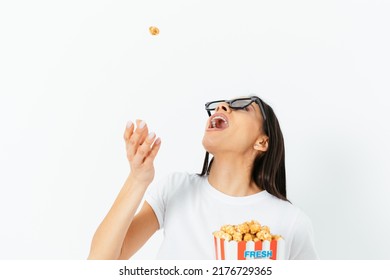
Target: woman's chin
x=209 y=146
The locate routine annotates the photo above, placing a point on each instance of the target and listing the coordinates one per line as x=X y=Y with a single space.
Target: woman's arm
x=121 y=234
x=144 y=225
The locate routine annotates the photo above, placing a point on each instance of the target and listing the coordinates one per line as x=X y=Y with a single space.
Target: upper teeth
x=214 y=123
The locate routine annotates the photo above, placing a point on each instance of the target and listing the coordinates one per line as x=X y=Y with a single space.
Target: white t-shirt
x=189 y=210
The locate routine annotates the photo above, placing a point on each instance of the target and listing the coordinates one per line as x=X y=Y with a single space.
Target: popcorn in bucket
x=248 y=240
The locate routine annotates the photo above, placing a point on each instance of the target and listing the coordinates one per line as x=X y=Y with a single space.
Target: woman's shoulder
x=181 y=177
x=172 y=184
x=181 y=181
x=296 y=214
x=286 y=208
x=280 y=202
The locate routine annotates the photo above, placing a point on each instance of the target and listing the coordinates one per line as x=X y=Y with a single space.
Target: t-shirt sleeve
x=156 y=197
x=159 y=194
x=303 y=246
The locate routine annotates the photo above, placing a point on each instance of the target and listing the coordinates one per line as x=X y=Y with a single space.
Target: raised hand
x=141 y=148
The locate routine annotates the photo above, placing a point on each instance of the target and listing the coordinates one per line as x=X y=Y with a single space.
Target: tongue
x=220 y=124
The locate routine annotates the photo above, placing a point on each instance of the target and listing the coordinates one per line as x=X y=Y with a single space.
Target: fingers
x=143 y=130
x=136 y=138
x=128 y=131
x=144 y=151
x=140 y=145
x=153 y=152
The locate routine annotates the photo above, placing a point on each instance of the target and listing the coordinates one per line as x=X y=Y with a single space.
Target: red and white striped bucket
x=248 y=250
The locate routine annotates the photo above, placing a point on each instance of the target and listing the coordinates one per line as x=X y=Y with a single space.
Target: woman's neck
x=232 y=176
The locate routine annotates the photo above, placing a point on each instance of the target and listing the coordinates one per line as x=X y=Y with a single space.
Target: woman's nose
x=224 y=107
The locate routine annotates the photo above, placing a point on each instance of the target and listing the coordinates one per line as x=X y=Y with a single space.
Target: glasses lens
x=240 y=103
x=213 y=105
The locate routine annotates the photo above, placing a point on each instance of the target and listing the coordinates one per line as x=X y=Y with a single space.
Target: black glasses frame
x=229 y=102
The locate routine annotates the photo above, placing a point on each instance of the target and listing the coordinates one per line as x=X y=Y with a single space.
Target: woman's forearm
x=108 y=239
x=141 y=150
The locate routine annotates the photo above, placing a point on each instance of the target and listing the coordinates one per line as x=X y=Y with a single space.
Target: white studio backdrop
x=74 y=72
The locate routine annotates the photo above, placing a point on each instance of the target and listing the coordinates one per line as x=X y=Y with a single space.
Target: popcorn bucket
x=248 y=250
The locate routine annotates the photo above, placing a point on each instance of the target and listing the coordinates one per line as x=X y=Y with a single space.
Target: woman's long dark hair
x=268 y=169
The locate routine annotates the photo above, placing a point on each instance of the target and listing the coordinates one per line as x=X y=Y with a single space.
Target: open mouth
x=218 y=122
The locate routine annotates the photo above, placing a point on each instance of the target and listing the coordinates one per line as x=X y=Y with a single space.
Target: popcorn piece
x=265 y=228
x=264 y=235
x=253 y=222
x=237 y=236
x=222 y=235
x=248 y=237
x=243 y=228
x=218 y=234
x=276 y=237
x=227 y=237
x=154 y=30
x=228 y=229
x=254 y=228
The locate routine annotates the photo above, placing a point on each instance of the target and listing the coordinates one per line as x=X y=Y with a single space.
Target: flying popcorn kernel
x=154 y=30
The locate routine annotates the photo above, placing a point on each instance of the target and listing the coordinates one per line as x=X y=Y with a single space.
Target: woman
x=244 y=181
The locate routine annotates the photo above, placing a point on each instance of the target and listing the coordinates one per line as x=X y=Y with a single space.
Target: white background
x=72 y=73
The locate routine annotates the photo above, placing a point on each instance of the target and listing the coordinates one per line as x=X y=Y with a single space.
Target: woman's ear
x=261 y=144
